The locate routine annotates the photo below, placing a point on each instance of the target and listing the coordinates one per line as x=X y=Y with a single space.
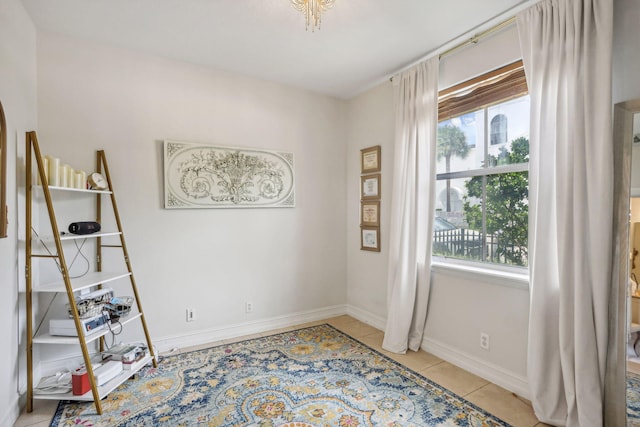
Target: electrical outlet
x=484 y=340
x=191 y=314
x=248 y=307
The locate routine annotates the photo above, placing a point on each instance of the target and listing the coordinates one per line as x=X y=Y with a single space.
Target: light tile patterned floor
x=496 y=400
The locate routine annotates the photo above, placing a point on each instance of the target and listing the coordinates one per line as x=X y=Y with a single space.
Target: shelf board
x=86 y=281
x=104 y=389
x=47 y=338
x=69 y=236
x=77 y=190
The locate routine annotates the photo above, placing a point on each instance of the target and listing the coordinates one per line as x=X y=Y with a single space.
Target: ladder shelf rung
x=76 y=190
x=86 y=281
x=68 y=236
x=47 y=338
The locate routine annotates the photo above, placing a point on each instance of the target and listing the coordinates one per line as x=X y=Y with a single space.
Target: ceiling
x=361 y=42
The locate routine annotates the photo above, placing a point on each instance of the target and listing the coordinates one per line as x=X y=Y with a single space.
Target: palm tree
x=451 y=142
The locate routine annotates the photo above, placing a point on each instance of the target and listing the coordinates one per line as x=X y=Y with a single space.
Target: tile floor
x=496 y=400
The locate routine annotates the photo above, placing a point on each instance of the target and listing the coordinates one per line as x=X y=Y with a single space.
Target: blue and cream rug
x=312 y=377
x=633 y=400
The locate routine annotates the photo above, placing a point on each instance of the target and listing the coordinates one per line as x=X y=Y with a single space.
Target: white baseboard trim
x=206 y=336
x=12 y=414
x=496 y=374
x=376 y=321
x=514 y=383
x=247 y=328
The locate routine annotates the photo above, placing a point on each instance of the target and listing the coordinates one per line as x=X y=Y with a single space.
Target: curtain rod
x=473 y=40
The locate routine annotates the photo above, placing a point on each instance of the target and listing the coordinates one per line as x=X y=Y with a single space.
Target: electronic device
x=107 y=371
x=67 y=328
x=126 y=353
x=84 y=227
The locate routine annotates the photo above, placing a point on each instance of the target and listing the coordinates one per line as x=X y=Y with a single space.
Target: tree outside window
x=491 y=222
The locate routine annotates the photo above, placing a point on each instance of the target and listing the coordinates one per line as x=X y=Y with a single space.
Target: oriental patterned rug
x=311 y=377
x=633 y=400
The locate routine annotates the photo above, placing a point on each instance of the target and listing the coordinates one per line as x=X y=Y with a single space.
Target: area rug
x=311 y=377
x=633 y=400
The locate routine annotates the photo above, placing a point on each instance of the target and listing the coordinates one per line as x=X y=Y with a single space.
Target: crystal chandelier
x=312 y=10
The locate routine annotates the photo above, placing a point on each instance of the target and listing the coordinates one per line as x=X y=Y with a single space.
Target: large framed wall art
x=207 y=176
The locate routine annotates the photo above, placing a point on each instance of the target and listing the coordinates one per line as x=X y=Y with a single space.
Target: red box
x=80 y=382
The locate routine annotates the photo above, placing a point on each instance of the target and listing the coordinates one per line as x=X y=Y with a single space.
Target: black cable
x=79 y=252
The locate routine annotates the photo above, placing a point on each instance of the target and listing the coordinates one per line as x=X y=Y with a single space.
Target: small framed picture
x=370 y=213
x=370 y=239
x=370 y=187
x=370 y=159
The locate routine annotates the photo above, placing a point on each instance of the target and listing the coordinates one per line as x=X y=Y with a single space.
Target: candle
x=45 y=166
x=54 y=171
x=83 y=180
x=63 y=176
x=78 y=182
x=71 y=175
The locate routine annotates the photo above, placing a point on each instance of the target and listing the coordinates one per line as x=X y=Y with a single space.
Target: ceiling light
x=312 y=10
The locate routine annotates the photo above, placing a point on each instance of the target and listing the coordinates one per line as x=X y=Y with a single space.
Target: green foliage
x=506 y=204
x=451 y=142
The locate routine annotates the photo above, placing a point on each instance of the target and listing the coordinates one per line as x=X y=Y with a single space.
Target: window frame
x=480 y=93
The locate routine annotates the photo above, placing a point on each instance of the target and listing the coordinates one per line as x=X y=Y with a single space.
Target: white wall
x=286 y=261
x=626 y=66
x=18 y=96
x=626 y=61
x=459 y=308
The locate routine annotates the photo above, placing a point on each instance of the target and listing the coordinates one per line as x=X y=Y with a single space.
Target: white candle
x=71 y=176
x=78 y=183
x=63 y=176
x=45 y=166
x=83 y=180
x=54 y=171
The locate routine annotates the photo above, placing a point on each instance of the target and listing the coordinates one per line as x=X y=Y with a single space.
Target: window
x=482 y=170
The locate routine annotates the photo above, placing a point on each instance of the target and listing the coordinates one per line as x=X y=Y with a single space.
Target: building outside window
x=482 y=171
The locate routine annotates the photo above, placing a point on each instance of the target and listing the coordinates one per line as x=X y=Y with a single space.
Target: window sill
x=500 y=277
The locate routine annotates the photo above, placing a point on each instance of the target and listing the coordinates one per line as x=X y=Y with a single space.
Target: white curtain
x=566 y=47
x=416 y=103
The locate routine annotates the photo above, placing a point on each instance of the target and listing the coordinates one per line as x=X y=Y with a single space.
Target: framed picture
x=370 y=187
x=370 y=159
x=3 y=174
x=370 y=239
x=370 y=213
x=199 y=176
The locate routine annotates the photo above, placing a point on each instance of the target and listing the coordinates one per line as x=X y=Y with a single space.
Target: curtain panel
x=416 y=105
x=566 y=47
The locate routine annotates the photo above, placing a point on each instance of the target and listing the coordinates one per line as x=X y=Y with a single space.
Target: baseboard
x=514 y=383
x=377 y=322
x=247 y=328
x=496 y=374
x=167 y=343
x=12 y=415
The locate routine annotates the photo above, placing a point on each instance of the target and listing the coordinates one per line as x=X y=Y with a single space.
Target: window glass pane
x=452 y=235
x=507 y=209
x=509 y=122
x=461 y=143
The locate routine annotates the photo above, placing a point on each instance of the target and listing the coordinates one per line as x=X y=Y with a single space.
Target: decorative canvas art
x=205 y=176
